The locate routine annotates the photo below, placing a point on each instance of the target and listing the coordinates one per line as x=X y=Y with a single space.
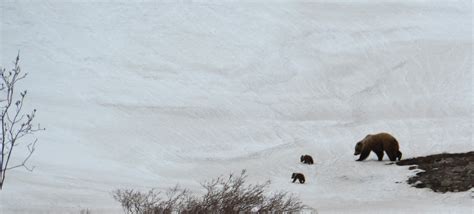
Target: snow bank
x=149 y=94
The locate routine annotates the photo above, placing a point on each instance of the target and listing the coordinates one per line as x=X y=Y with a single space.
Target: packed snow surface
x=149 y=94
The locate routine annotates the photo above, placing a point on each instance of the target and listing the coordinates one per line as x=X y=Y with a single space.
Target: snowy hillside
x=150 y=94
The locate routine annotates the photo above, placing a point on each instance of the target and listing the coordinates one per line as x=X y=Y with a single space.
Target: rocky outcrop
x=442 y=172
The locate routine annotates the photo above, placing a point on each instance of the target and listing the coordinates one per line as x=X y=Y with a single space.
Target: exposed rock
x=443 y=172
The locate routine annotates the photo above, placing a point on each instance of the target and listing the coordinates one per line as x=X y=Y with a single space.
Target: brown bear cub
x=299 y=177
x=378 y=143
x=307 y=159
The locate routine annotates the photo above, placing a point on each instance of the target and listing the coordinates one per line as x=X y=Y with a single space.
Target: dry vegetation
x=222 y=195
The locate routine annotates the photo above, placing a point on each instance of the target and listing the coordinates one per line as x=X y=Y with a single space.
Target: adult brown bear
x=378 y=143
x=306 y=159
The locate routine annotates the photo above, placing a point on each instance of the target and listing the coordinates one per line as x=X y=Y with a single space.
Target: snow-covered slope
x=150 y=94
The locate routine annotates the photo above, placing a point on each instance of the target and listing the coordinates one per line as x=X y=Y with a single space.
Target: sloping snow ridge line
x=149 y=94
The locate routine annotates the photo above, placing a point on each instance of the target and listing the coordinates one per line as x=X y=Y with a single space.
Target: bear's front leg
x=364 y=155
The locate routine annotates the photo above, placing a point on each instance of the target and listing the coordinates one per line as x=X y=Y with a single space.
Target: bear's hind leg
x=302 y=180
x=399 y=156
x=392 y=156
x=379 y=155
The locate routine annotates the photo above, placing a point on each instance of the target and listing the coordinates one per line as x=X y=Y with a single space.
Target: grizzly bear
x=298 y=176
x=378 y=143
x=307 y=159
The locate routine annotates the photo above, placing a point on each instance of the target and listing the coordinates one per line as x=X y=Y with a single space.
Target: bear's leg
x=294 y=180
x=392 y=156
x=307 y=161
x=379 y=155
x=364 y=155
x=302 y=180
x=399 y=155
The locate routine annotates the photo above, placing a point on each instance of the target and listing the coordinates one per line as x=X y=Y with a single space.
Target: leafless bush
x=151 y=202
x=230 y=194
x=85 y=211
x=222 y=195
x=15 y=125
x=280 y=201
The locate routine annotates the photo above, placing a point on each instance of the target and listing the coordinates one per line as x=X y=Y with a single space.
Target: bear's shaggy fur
x=298 y=176
x=378 y=143
x=307 y=159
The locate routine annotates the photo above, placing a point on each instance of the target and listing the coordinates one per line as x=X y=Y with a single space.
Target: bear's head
x=293 y=175
x=302 y=158
x=358 y=148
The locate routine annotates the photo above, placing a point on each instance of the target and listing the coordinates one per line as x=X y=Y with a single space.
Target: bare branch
x=31 y=149
x=14 y=124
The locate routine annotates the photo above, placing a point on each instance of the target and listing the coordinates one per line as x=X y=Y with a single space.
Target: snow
x=149 y=94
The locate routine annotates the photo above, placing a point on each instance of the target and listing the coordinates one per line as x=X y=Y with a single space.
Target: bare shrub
x=15 y=124
x=222 y=195
x=135 y=202
x=231 y=194
x=151 y=202
x=280 y=201
x=85 y=211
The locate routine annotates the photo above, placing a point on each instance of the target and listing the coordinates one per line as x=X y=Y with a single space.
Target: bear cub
x=298 y=176
x=307 y=159
x=378 y=143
